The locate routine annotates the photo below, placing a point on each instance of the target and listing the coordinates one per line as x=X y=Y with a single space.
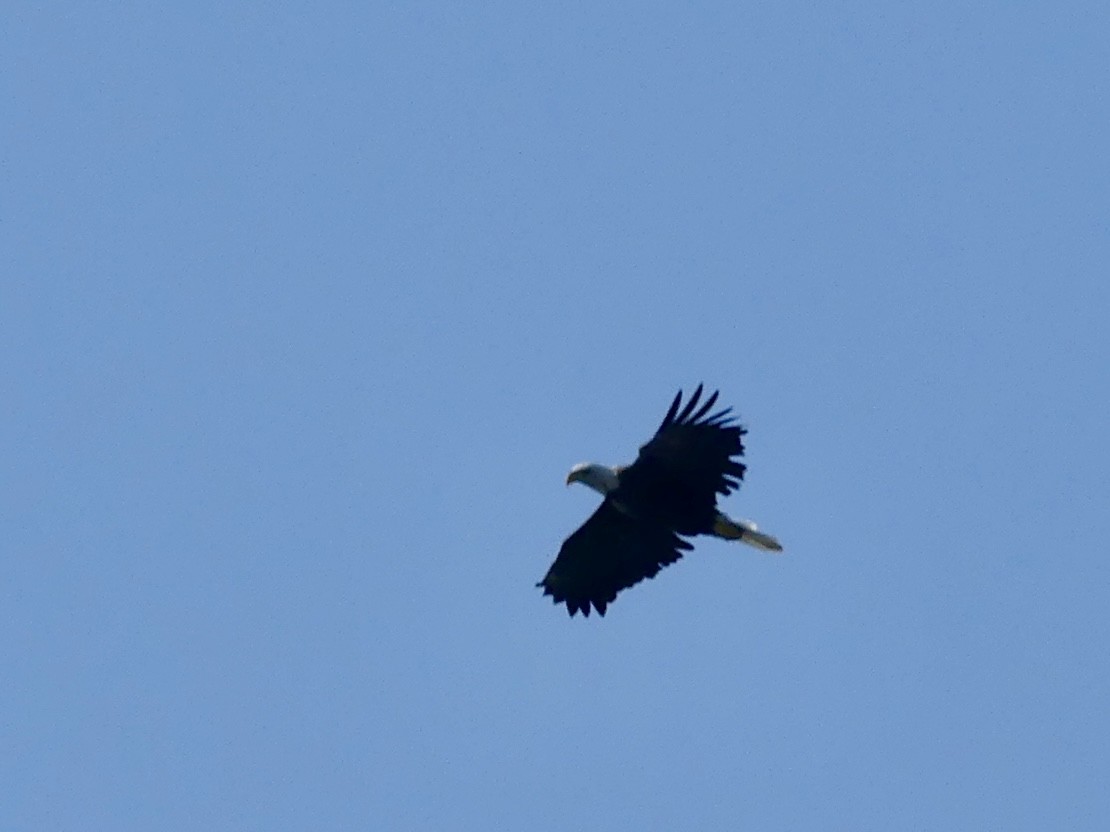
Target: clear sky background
x=306 y=310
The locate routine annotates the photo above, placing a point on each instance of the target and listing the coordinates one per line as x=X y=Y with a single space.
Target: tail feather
x=746 y=532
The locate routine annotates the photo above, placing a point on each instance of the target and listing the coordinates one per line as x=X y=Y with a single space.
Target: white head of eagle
x=668 y=494
x=601 y=478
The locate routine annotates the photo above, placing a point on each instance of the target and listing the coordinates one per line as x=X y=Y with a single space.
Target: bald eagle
x=668 y=494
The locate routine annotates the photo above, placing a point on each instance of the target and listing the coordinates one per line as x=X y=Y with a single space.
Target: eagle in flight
x=668 y=494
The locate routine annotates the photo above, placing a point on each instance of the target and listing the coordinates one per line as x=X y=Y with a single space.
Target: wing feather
x=694 y=456
x=611 y=551
x=705 y=408
x=686 y=411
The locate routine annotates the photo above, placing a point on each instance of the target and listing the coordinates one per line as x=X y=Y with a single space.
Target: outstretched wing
x=611 y=551
x=693 y=457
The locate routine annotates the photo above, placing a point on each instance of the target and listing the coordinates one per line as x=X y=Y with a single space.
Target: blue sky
x=307 y=310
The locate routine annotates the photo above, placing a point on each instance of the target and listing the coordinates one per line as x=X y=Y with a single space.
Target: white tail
x=746 y=532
